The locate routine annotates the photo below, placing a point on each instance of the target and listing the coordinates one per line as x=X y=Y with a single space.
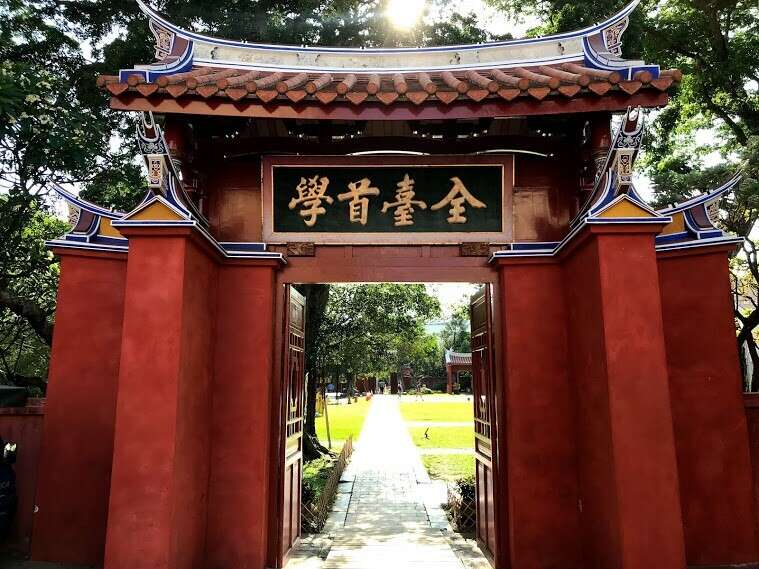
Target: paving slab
x=390 y=516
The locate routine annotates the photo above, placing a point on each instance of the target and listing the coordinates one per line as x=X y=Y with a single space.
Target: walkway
x=388 y=513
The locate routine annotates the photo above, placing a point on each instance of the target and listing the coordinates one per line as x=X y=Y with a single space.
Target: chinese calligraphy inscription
x=385 y=199
x=404 y=203
x=311 y=192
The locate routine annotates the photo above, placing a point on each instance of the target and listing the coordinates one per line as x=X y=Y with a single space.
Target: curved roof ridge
x=190 y=35
x=598 y=46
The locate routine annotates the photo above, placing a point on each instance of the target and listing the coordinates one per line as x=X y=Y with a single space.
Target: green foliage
x=714 y=113
x=315 y=475
x=371 y=329
x=466 y=487
x=54 y=128
x=456 y=335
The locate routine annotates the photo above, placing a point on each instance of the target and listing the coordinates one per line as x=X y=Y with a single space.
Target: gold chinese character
x=359 y=204
x=311 y=192
x=458 y=208
x=404 y=203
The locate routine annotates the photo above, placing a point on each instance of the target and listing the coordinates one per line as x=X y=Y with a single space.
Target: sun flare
x=405 y=14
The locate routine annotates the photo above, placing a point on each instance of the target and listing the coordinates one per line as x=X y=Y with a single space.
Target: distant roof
x=458 y=358
x=586 y=62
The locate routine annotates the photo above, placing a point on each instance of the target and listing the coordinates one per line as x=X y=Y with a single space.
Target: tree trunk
x=317 y=296
x=752 y=383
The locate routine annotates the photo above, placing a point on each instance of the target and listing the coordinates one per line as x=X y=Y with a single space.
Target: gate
x=483 y=384
x=294 y=364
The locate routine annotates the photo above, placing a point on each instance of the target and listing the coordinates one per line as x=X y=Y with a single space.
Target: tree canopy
x=55 y=126
x=373 y=329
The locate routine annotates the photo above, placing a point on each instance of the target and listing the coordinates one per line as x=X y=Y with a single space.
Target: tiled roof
x=458 y=358
x=559 y=80
x=584 y=62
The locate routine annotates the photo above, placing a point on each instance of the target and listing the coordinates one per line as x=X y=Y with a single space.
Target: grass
x=443 y=437
x=344 y=420
x=442 y=410
x=428 y=411
x=449 y=466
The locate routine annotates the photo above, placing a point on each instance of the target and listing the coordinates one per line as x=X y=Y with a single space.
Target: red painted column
x=541 y=506
x=241 y=423
x=159 y=487
x=449 y=385
x=629 y=495
x=751 y=401
x=708 y=409
x=77 y=441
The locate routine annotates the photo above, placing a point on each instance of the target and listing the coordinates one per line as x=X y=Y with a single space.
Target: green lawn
x=442 y=410
x=449 y=466
x=443 y=437
x=428 y=411
x=344 y=420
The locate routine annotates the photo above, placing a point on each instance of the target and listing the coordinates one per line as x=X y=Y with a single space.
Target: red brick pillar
x=159 y=486
x=708 y=408
x=449 y=373
x=77 y=441
x=244 y=412
x=629 y=498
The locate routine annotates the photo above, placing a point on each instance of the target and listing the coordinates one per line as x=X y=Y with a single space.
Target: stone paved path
x=387 y=513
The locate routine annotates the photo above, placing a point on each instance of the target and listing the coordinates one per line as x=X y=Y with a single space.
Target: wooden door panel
x=293 y=392
x=483 y=384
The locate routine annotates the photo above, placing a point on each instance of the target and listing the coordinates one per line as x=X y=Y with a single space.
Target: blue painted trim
x=242 y=246
x=574 y=232
x=151 y=72
x=539 y=246
x=703 y=198
x=80 y=203
x=65 y=244
x=102 y=240
x=699 y=243
x=673 y=237
x=153 y=223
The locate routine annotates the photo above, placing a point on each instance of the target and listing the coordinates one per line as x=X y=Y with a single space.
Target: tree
x=455 y=334
x=51 y=131
x=715 y=44
x=359 y=330
x=55 y=125
x=714 y=113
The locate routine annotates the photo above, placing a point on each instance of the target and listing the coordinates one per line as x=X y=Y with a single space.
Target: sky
x=451 y=295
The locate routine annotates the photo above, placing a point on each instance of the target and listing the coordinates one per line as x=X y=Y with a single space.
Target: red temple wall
x=708 y=411
x=595 y=475
x=600 y=528
x=159 y=488
x=77 y=441
x=540 y=418
x=242 y=418
x=630 y=510
x=542 y=205
x=23 y=426
x=751 y=402
x=235 y=200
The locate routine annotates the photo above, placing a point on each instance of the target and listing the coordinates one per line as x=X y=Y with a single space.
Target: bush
x=465 y=486
x=415 y=391
x=462 y=505
x=315 y=475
